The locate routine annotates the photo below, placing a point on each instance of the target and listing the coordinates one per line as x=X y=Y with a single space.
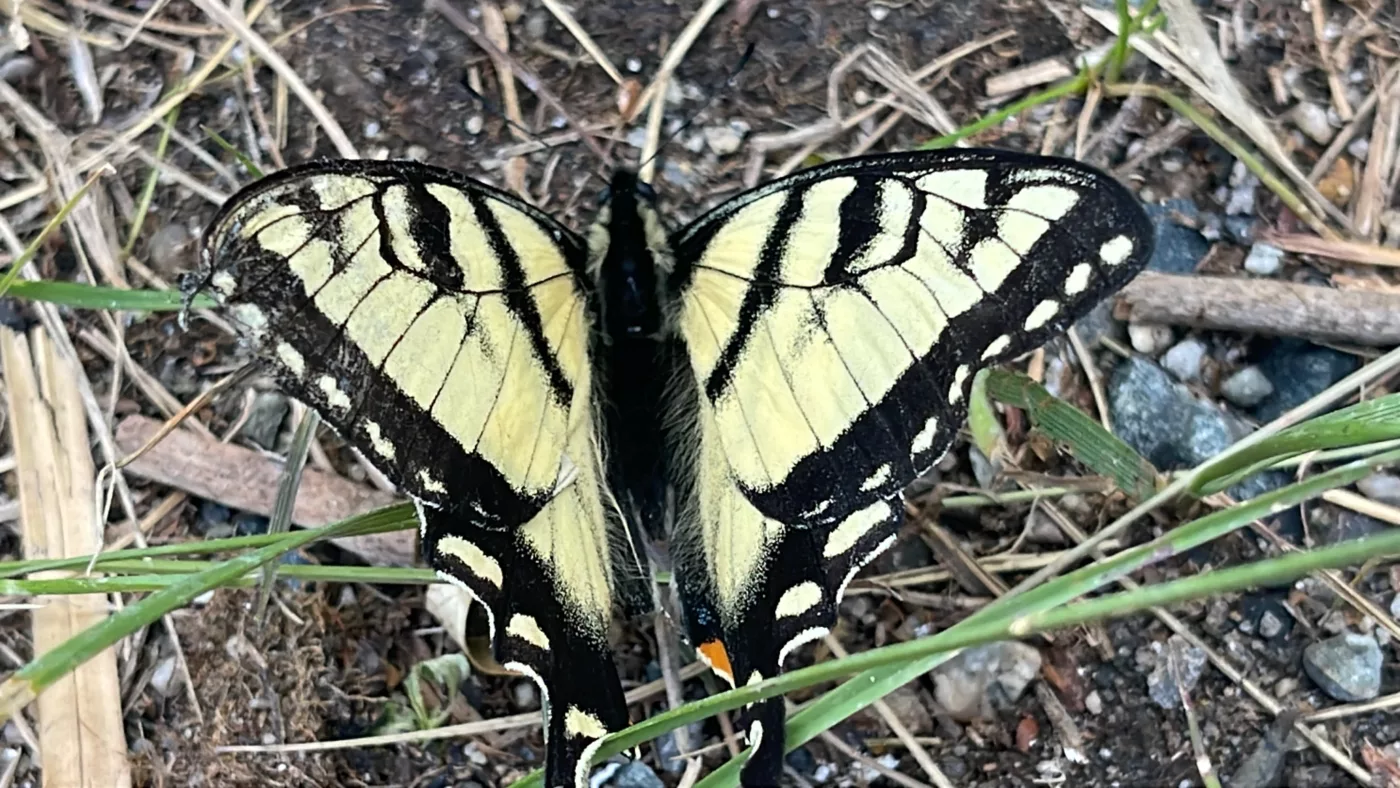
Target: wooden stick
x=1264 y=306
x=80 y=715
x=246 y=480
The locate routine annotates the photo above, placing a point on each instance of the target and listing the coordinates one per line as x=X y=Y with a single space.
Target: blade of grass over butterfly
x=855 y=694
x=281 y=518
x=82 y=296
x=168 y=573
x=26 y=683
x=1365 y=422
x=1085 y=439
x=399 y=517
x=883 y=669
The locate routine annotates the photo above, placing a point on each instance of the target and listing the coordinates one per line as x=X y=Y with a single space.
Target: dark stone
x=248 y=524
x=1299 y=371
x=1179 y=249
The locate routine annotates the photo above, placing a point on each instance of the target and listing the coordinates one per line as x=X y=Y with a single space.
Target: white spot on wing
x=859 y=565
x=1042 y=313
x=293 y=359
x=335 y=397
x=924 y=440
x=955 y=390
x=527 y=629
x=998 y=345
x=858 y=524
x=578 y=722
x=879 y=477
x=224 y=282
x=800 y=639
x=476 y=560
x=382 y=446
x=798 y=600
x=430 y=483
x=1116 y=250
x=1078 y=279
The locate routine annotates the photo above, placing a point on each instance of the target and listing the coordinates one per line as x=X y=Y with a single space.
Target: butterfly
x=756 y=388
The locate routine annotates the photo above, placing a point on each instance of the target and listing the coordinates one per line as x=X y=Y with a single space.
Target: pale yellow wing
x=833 y=322
x=442 y=327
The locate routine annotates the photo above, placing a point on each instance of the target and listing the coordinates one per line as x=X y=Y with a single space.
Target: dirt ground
x=330 y=661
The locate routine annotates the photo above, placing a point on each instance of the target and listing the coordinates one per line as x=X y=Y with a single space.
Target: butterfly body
x=754 y=390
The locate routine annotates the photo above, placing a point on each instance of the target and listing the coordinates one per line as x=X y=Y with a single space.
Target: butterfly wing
x=442 y=327
x=833 y=321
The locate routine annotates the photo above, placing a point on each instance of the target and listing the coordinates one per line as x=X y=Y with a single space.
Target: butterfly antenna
x=729 y=83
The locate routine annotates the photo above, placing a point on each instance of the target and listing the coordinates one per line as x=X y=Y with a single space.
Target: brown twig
x=1262 y=306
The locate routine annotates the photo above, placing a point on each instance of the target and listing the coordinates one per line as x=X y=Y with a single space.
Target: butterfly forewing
x=443 y=328
x=834 y=321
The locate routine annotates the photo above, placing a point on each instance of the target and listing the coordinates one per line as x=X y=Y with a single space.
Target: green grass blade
x=26 y=683
x=242 y=158
x=83 y=296
x=1085 y=439
x=1365 y=422
x=397 y=517
x=883 y=669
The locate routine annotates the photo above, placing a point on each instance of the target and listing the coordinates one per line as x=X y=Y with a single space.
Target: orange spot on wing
x=714 y=655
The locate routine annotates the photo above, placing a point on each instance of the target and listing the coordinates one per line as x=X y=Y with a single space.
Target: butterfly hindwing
x=443 y=328
x=834 y=321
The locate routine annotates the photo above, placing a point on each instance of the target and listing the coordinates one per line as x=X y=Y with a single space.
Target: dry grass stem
x=1194 y=60
x=1041 y=72
x=240 y=29
x=566 y=18
x=897 y=727
x=80 y=715
x=674 y=55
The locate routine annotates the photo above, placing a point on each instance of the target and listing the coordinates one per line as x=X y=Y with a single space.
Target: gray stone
x=984 y=679
x=526 y=695
x=1264 y=260
x=1150 y=339
x=1164 y=422
x=265 y=419
x=634 y=775
x=171 y=250
x=1178 y=667
x=724 y=140
x=1247 y=387
x=1178 y=248
x=1270 y=625
x=1384 y=487
x=1299 y=371
x=1312 y=120
x=1099 y=323
x=1346 y=667
x=1184 y=359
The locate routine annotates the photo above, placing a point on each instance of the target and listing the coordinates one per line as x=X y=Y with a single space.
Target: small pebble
x=1264 y=260
x=1347 y=667
x=1384 y=487
x=634 y=774
x=1150 y=339
x=164 y=679
x=372 y=129
x=1285 y=687
x=1177 y=659
x=1311 y=119
x=1184 y=359
x=634 y=65
x=1358 y=148
x=1247 y=387
x=1270 y=625
x=723 y=140
x=171 y=249
x=474 y=124
x=879 y=12
x=526 y=695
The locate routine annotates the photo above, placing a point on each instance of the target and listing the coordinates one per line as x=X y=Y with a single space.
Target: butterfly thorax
x=633 y=354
